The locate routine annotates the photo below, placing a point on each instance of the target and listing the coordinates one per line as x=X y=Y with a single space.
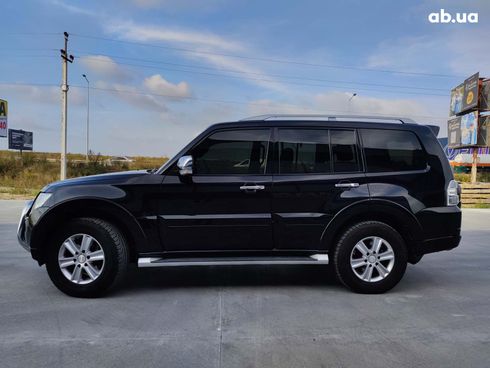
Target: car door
x=225 y=205
x=318 y=173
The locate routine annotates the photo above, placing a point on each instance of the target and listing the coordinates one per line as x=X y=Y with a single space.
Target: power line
x=86 y=54
x=271 y=60
x=267 y=80
x=143 y=93
x=28 y=84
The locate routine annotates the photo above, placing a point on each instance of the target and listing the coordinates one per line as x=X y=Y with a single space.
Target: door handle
x=252 y=188
x=346 y=185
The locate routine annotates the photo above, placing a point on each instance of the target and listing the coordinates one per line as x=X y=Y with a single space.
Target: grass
x=481 y=177
x=23 y=176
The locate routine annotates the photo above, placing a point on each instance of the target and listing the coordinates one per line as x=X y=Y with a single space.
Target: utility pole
x=65 y=59
x=88 y=114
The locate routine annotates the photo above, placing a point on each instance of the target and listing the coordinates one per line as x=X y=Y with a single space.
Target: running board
x=232 y=261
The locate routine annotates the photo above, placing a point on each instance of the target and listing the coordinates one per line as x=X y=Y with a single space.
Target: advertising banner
x=454 y=132
x=464 y=98
x=456 y=100
x=484 y=131
x=470 y=97
x=485 y=96
x=3 y=118
x=20 y=140
x=468 y=130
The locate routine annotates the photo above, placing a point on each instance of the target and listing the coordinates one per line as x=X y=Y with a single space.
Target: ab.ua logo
x=443 y=17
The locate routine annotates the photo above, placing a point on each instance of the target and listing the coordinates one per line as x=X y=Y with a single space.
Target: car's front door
x=319 y=173
x=225 y=204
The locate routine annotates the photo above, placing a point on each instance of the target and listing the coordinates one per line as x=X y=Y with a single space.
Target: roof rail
x=328 y=117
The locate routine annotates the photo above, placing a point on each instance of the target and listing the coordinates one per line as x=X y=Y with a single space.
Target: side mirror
x=185 y=165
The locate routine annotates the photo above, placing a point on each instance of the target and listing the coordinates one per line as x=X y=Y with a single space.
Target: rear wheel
x=87 y=257
x=370 y=257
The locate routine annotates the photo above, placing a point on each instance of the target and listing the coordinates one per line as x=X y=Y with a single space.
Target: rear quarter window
x=392 y=150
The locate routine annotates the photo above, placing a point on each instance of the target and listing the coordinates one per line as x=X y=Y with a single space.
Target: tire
x=362 y=269
x=96 y=275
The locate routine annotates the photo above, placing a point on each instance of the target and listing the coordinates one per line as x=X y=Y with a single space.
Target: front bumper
x=21 y=228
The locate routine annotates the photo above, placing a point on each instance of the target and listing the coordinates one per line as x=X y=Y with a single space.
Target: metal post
x=474 y=165
x=88 y=115
x=64 y=107
x=64 y=104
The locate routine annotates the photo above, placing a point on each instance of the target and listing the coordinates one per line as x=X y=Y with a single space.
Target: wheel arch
x=388 y=212
x=104 y=209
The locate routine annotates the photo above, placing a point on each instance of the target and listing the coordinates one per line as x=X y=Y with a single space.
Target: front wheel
x=370 y=257
x=87 y=257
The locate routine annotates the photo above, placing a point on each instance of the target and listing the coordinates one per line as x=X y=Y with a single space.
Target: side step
x=232 y=261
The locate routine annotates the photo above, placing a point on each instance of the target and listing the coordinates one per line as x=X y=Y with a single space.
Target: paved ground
x=438 y=316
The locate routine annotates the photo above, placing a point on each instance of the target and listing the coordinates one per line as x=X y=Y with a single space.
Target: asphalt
x=280 y=316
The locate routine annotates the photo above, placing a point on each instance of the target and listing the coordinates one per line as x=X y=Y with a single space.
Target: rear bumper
x=441 y=229
x=440 y=244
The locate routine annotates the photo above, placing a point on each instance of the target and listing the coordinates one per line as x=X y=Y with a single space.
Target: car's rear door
x=318 y=172
x=226 y=205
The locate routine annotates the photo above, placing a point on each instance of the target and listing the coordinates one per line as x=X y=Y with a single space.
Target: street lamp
x=350 y=99
x=88 y=114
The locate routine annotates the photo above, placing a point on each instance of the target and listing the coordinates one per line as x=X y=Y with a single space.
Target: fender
x=384 y=210
x=85 y=206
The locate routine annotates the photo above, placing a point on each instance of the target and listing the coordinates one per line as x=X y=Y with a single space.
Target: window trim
x=267 y=150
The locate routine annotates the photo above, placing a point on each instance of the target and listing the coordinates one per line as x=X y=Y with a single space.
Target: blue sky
x=163 y=70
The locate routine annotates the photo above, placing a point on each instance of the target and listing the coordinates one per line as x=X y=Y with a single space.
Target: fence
x=475 y=193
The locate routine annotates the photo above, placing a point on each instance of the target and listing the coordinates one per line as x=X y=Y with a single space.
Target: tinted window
x=392 y=150
x=344 y=150
x=304 y=151
x=232 y=152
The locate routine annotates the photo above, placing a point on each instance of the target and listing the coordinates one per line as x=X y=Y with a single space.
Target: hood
x=123 y=177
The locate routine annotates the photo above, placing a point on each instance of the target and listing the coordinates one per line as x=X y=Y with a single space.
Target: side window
x=344 y=151
x=233 y=152
x=304 y=151
x=392 y=150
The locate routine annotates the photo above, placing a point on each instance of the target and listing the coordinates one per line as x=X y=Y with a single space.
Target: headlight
x=41 y=200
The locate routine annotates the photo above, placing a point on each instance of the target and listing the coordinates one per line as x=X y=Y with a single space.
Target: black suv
x=367 y=194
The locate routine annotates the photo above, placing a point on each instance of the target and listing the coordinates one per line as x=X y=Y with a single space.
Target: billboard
x=469 y=130
x=484 y=131
x=20 y=140
x=3 y=118
x=485 y=96
x=456 y=104
x=465 y=97
x=471 y=92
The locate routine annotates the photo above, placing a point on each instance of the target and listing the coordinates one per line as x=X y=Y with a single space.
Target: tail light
x=453 y=193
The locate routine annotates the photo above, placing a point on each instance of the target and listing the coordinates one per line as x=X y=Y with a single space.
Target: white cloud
x=104 y=66
x=453 y=51
x=337 y=103
x=211 y=49
x=132 y=96
x=73 y=9
x=149 y=33
x=146 y=98
x=42 y=94
x=158 y=85
x=200 y=5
